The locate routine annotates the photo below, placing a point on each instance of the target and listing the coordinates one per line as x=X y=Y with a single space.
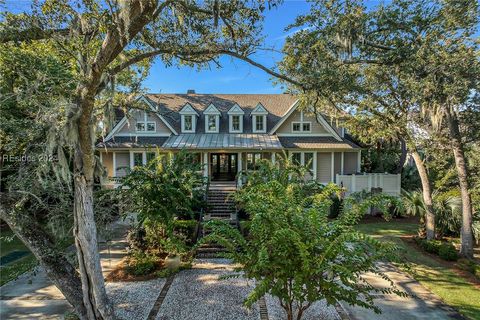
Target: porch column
x=342 y=170
x=239 y=162
x=132 y=163
x=359 y=161
x=114 y=161
x=239 y=169
x=205 y=165
x=273 y=157
x=314 y=164
x=332 y=162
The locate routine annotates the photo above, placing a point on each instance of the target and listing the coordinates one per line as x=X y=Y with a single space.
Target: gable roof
x=169 y=105
x=236 y=110
x=319 y=117
x=188 y=109
x=259 y=109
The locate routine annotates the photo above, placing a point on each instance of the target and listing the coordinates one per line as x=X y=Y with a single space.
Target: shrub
x=136 y=239
x=336 y=208
x=186 y=229
x=470 y=266
x=296 y=253
x=140 y=264
x=431 y=246
x=448 y=252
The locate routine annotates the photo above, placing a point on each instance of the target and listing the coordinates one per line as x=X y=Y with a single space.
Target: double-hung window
x=188 y=123
x=236 y=123
x=306 y=159
x=144 y=125
x=259 y=123
x=212 y=123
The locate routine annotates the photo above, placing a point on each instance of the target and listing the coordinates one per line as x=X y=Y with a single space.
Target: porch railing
x=384 y=182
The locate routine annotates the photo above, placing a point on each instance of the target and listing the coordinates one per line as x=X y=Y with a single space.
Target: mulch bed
x=120 y=273
x=368 y=218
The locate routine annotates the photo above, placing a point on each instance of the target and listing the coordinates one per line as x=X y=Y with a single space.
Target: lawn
x=434 y=275
x=9 y=243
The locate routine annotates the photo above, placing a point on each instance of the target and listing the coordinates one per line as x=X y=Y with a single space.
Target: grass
x=452 y=288
x=8 y=243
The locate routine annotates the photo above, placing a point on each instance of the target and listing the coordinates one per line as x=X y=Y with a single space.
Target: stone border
x=342 y=313
x=262 y=305
x=158 y=303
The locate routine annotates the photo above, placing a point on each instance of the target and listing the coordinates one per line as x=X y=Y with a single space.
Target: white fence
x=389 y=183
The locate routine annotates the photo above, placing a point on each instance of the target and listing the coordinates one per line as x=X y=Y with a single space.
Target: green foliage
x=431 y=246
x=410 y=178
x=447 y=207
x=448 y=252
x=167 y=187
x=445 y=250
x=141 y=264
x=295 y=252
x=186 y=229
x=471 y=266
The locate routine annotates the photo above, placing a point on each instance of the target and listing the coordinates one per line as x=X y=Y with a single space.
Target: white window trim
x=217 y=123
x=301 y=126
x=230 y=121
x=194 y=123
x=144 y=157
x=145 y=123
x=264 y=120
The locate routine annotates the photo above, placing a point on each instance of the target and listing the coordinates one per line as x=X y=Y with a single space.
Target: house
x=229 y=133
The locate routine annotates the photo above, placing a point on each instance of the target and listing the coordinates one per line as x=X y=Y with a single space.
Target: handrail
x=202 y=211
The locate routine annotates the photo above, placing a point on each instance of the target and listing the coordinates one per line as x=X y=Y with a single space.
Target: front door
x=224 y=166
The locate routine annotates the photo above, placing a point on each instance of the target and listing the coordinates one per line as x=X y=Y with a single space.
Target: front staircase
x=221 y=206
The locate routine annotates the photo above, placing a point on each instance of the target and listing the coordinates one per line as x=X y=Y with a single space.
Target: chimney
x=191 y=91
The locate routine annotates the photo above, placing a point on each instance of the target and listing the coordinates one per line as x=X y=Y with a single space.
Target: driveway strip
x=158 y=303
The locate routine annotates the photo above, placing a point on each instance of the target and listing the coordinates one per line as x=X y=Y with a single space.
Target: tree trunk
x=58 y=269
x=427 y=195
x=380 y=167
x=462 y=172
x=85 y=232
x=403 y=156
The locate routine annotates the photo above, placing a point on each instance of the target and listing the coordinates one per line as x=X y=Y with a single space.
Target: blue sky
x=235 y=76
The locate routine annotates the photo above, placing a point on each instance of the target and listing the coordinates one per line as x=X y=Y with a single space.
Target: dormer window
x=188 y=119
x=235 y=120
x=212 y=119
x=235 y=115
x=258 y=123
x=187 y=122
x=259 y=119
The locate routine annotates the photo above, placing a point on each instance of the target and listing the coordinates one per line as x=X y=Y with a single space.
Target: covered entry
x=223 y=166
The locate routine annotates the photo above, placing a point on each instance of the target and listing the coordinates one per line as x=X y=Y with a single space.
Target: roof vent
x=191 y=91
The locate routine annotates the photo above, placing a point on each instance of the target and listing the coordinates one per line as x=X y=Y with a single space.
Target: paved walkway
x=33 y=296
x=421 y=305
